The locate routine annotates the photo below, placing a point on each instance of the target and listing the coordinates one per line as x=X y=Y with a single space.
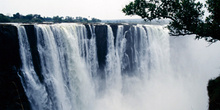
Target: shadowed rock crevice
x=32 y=39
x=101 y=44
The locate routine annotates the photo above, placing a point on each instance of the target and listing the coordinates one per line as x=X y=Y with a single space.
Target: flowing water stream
x=145 y=69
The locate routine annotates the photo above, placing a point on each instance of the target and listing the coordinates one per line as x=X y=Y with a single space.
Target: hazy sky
x=102 y=9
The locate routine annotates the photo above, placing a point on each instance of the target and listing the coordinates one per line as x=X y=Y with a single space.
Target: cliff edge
x=214 y=93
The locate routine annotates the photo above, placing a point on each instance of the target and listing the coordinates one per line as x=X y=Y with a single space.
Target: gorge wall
x=12 y=95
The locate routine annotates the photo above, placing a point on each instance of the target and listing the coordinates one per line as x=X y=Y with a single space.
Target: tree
x=4 y=18
x=57 y=19
x=17 y=16
x=68 y=19
x=185 y=15
x=29 y=17
x=95 y=20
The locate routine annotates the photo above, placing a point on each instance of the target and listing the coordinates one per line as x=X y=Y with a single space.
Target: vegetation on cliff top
x=35 y=18
x=186 y=16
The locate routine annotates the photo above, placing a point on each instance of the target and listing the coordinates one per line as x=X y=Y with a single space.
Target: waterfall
x=35 y=91
x=144 y=68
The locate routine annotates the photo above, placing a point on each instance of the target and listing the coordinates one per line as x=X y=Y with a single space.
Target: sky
x=101 y=9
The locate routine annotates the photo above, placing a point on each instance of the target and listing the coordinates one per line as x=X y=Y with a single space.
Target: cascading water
x=35 y=91
x=145 y=69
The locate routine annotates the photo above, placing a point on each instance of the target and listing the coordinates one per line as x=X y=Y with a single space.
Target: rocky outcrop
x=101 y=42
x=214 y=94
x=12 y=95
x=32 y=39
x=9 y=47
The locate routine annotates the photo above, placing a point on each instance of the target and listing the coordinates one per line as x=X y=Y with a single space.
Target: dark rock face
x=101 y=44
x=32 y=39
x=12 y=95
x=88 y=31
x=9 y=47
x=114 y=30
x=214 y=94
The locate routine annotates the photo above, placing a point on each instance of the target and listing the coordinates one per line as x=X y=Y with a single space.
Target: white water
x=35 y=91
x=167 y=73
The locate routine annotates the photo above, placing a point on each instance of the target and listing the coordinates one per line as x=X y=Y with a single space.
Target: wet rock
x=12 y=95
x=214 y=93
